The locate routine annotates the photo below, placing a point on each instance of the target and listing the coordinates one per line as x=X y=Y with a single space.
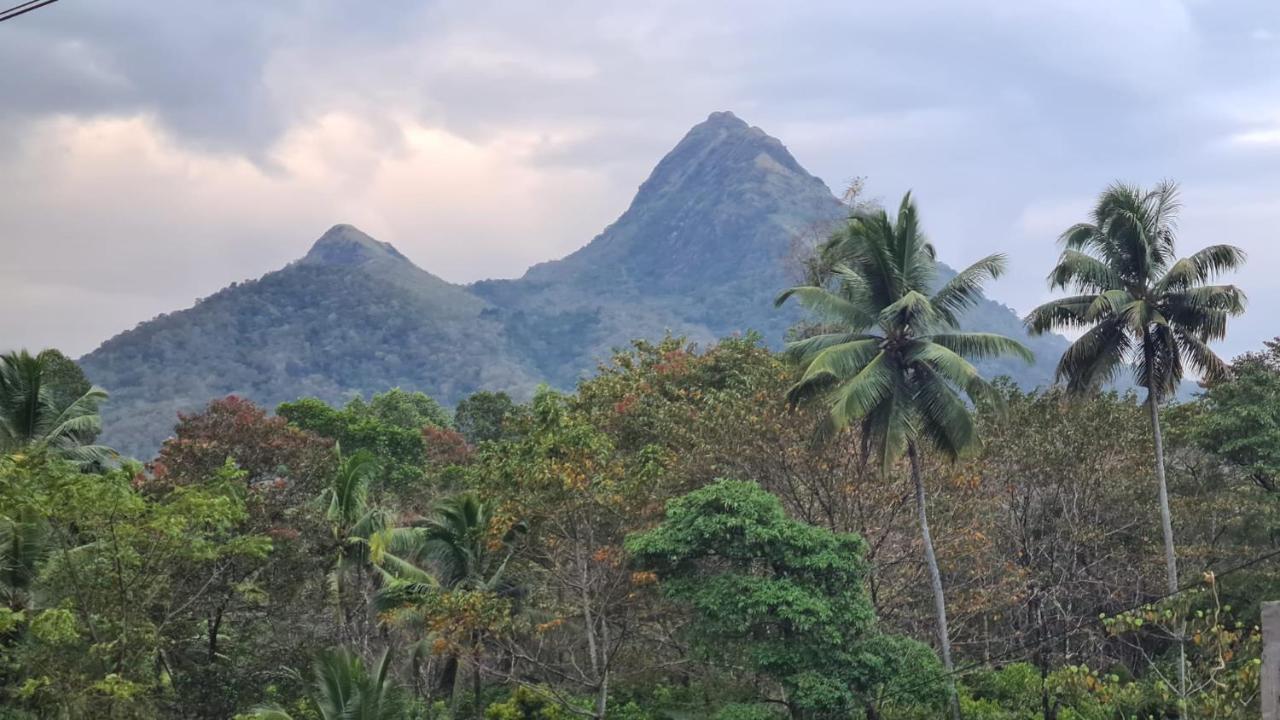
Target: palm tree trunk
x=935 y=578
x=1166 y=525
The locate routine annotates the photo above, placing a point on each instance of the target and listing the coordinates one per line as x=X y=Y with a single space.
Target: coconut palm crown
x=1140 y=307
x=890 y=356
x=35 y=415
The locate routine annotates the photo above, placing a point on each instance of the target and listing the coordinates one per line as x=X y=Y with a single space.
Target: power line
x=957 y=672
x=24 y=8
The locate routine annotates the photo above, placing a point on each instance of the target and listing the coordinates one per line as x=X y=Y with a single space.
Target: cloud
x=157 y=151
x=156 y=225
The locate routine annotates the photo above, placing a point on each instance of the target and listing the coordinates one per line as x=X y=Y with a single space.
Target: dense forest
x=860 y=526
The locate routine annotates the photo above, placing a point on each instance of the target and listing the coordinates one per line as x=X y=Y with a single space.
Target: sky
x=153 y=152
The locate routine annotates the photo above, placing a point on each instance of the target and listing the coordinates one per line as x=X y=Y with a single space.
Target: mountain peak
x=727 y=200
x=347 y=245
x=725 y=119
x=724 y=151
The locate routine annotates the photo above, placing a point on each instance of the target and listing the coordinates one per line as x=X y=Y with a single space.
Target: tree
x=890 y=359
x=119 y=579
x=449 y=572
x=578 y=606
x=784 y=599
x=24 y=546
x=258 y=612
x=355 y=524
x=343 y=689
x=390 y=426
x=1141 y=307
x=40 y=407
x=484 y=416
x=1237 y=417
x=405 y=409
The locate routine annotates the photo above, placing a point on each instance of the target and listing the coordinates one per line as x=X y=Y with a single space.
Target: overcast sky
x=153 y=152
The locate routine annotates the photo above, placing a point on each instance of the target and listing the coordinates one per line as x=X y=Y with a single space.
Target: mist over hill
x=701 y=252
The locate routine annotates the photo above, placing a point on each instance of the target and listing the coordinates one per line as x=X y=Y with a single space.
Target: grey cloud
x=992 y=111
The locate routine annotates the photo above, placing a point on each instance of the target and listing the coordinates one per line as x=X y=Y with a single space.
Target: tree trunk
x=935 y=578
x=1166 y=525
x=215 y=624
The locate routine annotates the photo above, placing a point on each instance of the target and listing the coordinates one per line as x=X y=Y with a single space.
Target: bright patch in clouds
x=156 y=224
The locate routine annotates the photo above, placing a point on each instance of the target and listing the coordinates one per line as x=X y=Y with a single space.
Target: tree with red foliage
x=293 y=463
x=444 y=447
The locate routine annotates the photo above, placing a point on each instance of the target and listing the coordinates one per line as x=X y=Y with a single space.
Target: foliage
x=269 y=452
x=505 y=579
x=390 y=426
x=527 y=703
x=114 y=586
x=44 y=404
x=1224 y=654
x=1139 y=305
x=485 y=416
x=1237 y=417
x=890 y=357
x=781 y=598
x=343 y=689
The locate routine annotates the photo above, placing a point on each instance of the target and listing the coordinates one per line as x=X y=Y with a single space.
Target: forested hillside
x=702 y=252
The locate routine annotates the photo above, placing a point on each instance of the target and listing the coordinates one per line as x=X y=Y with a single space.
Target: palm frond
x=982 y=345
x=1068 y=312
x=1200 y=357
x=842 y=361
x=912 y=310
x=1200 y=267
x=1095 y=357
x=1083 y=273
x=829 y=306
x=854 y=398
x=944 y=418
x=965 y=289
x=805 y=350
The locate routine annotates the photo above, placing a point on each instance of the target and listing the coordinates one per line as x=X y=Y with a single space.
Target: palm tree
x=1142 y=309
x=358 y=528
x=459 y=540
x=36 y=414
x=24 y=546
x=889 y=357
x=456 y=549
x=342 y=689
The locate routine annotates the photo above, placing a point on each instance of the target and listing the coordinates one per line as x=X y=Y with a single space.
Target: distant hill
x=352 y=316
x=700 y=252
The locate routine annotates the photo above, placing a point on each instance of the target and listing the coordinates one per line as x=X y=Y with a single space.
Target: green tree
x=390 y=426
x=889 y=357
x=459 y=542
x=408 y=410
x=355 y=524
x=1237 y=417
x=118 y=581
x=1141 y=307
x=39 y=407
x=785 y=599
x=484 y=416
x=342 y=688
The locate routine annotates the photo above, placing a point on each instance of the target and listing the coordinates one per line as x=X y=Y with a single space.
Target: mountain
x=352 y=316
x=700 y=252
